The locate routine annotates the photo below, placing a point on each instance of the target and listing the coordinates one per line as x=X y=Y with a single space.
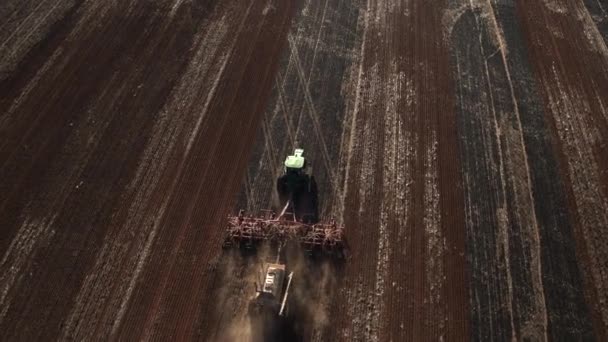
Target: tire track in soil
x=17 y=159
x=184 y=164
x=83 y=171
x=564 y=45
x=54 y=263
x=360 y=307
x=119 y=163
x=545 y=269
x=23 y=26
x=201 y=220
x=136 y=226
x=299 y=100
x=599 y=15
x=45 y=264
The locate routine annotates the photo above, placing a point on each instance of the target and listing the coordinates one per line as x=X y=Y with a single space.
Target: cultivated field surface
x=462 y=143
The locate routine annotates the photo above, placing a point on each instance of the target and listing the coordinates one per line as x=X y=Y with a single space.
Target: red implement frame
x=247 y=230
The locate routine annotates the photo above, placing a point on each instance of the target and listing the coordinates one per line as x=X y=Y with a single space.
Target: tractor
x=297 y=224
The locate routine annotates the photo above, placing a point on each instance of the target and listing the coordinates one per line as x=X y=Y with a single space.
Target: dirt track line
x=435 y=236
x=23 y=246
x=197 y=125
x=294 y=62
x=390 y=211
x=603 y=109
x=470 y=211
x=351 y=88
x=280 y=88
x=371 y=140
x=599 y=4
x=317 y=41
x=30 y=86
x=267 y=41
x=501 y=213
x=538 y=283
x=122 y=91
x=591 y=212
x=58 y=205
x=16 y=10
x=532 y=224
x=52 y=99
x=599 y=39
x=283 y=109
x=147 y=248
x=16 y=30
x=171 y=259
x=21 y=249
x=502 y=219
x=364 y=180
x=573 y=116
x=248 y=190
x=356 y=109
x=305 y=84
x=15 y=49
x=24 y=94
x=193 y=212
x=306 y=87
x=175 y=7
x=272 y=159
x=145 y=183
x=280 y=81
x=140 y=262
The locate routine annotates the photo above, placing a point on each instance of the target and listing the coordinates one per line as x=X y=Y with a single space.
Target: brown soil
x=461 y=142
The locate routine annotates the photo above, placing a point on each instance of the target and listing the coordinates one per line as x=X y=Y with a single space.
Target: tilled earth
x=463 y=143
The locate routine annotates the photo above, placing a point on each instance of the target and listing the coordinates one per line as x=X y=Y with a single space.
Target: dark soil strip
x=567 y=311
x=560 y=53
x=43 y=297
x=25 y=160
x=172 y=295
x=598 y=10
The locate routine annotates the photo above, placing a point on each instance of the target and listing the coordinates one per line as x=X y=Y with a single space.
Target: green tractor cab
x=296 y=162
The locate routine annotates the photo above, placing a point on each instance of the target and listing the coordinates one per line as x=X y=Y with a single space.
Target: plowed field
x=463 y=144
